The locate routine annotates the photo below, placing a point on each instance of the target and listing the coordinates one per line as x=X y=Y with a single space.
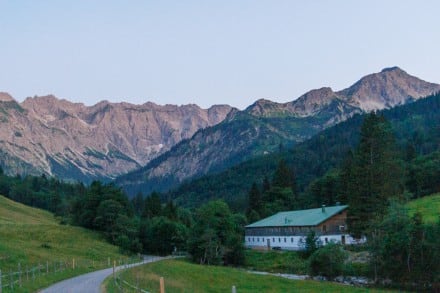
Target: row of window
x=252 y=239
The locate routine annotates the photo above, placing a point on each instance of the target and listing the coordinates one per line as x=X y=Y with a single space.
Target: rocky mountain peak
x=312 y=102
x=393 y=68
x=264 y=108
x=5 y=97
x=388 y=88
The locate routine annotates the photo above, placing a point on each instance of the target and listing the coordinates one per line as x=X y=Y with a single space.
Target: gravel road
x=91 y=282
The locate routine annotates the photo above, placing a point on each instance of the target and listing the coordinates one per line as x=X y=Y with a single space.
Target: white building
x=288 y=230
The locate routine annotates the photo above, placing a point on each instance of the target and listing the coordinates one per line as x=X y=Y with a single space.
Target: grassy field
x=30 y=236
x=182 y=276
x=289 y=262
x=428 y=206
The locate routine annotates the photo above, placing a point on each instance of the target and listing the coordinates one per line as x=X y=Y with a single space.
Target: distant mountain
x=389 y=88
x=265 y=126
x=73 y=141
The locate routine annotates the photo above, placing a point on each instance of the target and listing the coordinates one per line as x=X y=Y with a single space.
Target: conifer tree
x=254 y=203
x=283 y=175
x=375 y=174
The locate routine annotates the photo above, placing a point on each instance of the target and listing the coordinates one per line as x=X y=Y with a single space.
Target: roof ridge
x=308 y=217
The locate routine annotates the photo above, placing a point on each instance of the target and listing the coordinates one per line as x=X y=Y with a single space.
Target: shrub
x=328 y=261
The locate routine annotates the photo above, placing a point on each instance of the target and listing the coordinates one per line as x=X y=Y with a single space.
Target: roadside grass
x=428 y=206
x=29 y=237
x=182 y=276
x=289 y=262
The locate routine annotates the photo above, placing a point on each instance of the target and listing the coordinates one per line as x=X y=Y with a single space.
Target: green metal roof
x=311 y=217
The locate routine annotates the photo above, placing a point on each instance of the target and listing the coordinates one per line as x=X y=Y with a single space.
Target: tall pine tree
x=375 y=174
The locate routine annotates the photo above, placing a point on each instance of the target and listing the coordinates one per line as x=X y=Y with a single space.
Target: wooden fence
x=11 y=280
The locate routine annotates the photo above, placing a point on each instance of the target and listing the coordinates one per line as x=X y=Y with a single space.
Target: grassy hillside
x=30 y=236
x=428 y=206
x=182 y=276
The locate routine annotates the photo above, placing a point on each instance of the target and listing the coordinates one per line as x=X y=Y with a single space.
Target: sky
x=209 y=52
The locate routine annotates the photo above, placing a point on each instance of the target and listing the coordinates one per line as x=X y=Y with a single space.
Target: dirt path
x=91 y=282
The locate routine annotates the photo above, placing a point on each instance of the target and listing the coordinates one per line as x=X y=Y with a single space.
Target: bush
x=310 y=244
x=328 y=261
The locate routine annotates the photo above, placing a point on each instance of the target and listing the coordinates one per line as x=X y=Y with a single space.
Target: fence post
x=27 y=274
x=19 y=274
x=162 y=285
x=11 y=279
x=73 y=263
x=234 y=290
x=108 y=261
x=47 y=267
x=137 y=282
x=114 y=266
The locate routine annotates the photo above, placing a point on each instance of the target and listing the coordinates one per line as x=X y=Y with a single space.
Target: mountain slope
x=73 y=141
x=417 y=123
x=217 y=148
x=265 y=125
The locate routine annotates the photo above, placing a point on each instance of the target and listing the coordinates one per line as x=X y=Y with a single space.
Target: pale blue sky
x=209 y=52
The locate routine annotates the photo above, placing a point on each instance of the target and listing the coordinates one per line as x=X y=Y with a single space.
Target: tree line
x=212 y=233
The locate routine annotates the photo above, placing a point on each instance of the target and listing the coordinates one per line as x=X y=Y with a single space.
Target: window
x=326 y=240
x=253 y=239
x=263 y=239
x=258 y=239
x=273 y=239
x=285 y=240
x=291 y=239
x=249 y=239
x=279 y=240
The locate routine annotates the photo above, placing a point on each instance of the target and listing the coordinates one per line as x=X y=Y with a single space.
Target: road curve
x=91 y=282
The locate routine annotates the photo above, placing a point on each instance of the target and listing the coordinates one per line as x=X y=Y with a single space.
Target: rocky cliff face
x=264 y=125
x=73 y=141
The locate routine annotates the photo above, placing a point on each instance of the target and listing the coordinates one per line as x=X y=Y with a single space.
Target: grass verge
x=183 y=276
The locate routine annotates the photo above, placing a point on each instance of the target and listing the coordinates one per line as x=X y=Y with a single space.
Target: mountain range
x=265 y=126
x=73 y=141
x=162 y=146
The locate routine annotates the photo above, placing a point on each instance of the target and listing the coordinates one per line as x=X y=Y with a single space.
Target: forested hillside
x=416 y=127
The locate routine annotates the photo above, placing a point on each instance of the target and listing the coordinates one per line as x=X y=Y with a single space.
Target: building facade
x=288 y=230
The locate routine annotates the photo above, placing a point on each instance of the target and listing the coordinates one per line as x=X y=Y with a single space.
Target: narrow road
x=91 y=282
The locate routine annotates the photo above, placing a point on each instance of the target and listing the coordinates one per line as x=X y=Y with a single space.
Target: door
x=268 y=243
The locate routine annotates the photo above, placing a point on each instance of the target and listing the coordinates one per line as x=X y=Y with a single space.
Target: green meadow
x=428 y=206
x=183 y=276
x=29 y=237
